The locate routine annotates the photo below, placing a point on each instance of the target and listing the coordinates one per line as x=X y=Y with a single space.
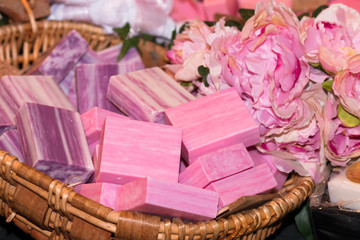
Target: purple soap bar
x=131 y=149
x=53 y=141
x=216 y=165
x=213 y=122
x=103 y=193
x=261 y=158
x=145 y=94
x=92 y=82
x=10 y=142
x=63 y=57
x=249 y=182
x=16 y=90
x=93 y=121
x=154 y=196
x=110 y=55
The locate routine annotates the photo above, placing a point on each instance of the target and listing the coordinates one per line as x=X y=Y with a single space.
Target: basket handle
x=30 y=14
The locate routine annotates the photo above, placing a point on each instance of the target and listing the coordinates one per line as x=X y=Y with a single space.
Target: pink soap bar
x=251 y=4
x=261 y=158
x=216 y=165
x=103 y=193
x=63 y=57
x=187 y=10
x=154 y=196
x=16 y=90
x=227 y=7
x=92 y=122
x=131 y=149
x=249 y=182
x=183 y=165
x=53 y=142
x=10 y=142
x=111 y=54
x=213 y=122
x=145 y=94
x=92 y=81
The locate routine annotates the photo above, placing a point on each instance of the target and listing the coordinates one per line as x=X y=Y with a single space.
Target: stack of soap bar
x=216 y=165
x=250 y=182
x=131 y=149
x=16 y=90
x=103 y=193
x=150 y=195
x=61 y=59
x=227 y=7
x=92 y=81
x=145 y=94
x=213 y=122
x=53 y=142
x=261 y=158
x=10 y=142
x=93 y=121
x=344 y=187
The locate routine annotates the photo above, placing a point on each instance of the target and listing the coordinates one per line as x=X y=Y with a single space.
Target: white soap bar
x=344 y=188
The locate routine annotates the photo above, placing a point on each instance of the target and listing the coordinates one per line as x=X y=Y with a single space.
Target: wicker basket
x=48 y=209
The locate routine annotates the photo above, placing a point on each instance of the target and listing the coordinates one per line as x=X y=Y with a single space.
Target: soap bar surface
x=54 y=142
x=213 y=122
x=250 y=182
x=145 y=94
x=131 y=149
x=10 y=142
x=216 y=165
x=154 y=196
x=62 y=57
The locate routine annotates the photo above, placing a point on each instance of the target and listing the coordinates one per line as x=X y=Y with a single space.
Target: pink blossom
x=332 y=37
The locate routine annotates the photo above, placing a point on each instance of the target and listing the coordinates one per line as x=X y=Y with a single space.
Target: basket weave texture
x=48 y=209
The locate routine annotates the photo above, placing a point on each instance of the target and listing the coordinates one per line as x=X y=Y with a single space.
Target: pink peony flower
x=332 y=37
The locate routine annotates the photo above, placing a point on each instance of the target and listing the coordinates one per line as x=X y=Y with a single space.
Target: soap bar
x=227 y=7
x=261 y=158
x=188 y=10
x=92 y=81
x=131 y=149
x=92 y=122
x=249 y=182
x=62 y=57
x=213 y=122
x=216 y=165
x=154 y=196
x=103 y=193
x=53 y=142
x=145 y=94
x=10 y=142
x=16 y=90
x=111 y=54
x=344 y=188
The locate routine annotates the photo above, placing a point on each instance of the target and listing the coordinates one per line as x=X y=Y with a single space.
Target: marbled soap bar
x=154 y=196
x=92 y=122
x=62 y=57
x=227 y=7
x=261 y=158
x=16 y=90
x=188 y=10
x=213 y=122
x=145 y=94
x=103 y=193
x=92 y=81
x=10 y=142
x=110 y=55
x=53 y=142
x=216 y=165
x=249 y=182
x=131 y=149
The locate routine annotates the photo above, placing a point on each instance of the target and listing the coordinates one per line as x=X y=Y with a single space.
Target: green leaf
x=127 y=45
x=303 y=223
x=186 y=84
x=232 y=23
x=184 y=26
x=305 y=14
x=246 y=13
x=204 y=72
x=319 y=10
x=327 y=85
x=173 y=36
x=4 y=20
x=123 y=32
x=210 y=23
x=347 y=119
x=148 y=37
